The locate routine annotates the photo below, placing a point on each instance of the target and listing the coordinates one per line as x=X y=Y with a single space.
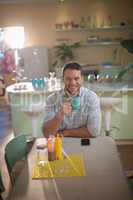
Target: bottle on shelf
x=88 y=22
x=82 y=23
x=109 y=20
x=102 y=23
x=93 y=22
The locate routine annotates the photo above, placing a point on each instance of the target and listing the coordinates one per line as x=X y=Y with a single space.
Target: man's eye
x=68 y=79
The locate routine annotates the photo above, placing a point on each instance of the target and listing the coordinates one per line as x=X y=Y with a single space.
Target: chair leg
x=107 y=132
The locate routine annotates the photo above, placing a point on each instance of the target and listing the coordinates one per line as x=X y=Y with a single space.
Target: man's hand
x=66 y=108
x=53 y=124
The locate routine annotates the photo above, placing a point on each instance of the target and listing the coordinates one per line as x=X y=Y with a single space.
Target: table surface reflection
x=104 y=175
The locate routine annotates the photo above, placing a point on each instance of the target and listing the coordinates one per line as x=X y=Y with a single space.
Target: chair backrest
x=15 y=150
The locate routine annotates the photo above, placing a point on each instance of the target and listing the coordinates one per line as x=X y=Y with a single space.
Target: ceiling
x=27 y=1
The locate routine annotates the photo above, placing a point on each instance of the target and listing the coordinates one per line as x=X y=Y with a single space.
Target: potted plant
x=64 y=53
x=123 y=72
x=128 y=44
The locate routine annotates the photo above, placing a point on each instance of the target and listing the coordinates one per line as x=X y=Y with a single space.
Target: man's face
x=72 y=80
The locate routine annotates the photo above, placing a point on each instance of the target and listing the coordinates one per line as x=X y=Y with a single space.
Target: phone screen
x=85 y=141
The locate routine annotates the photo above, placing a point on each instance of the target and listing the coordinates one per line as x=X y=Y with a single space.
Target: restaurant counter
x=28 y=107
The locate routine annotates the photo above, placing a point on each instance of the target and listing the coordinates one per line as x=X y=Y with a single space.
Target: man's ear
x=82 y=79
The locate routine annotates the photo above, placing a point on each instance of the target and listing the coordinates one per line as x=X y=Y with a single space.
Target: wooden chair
x=15 y=155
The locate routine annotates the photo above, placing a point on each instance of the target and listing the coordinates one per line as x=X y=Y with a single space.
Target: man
x=83 y=122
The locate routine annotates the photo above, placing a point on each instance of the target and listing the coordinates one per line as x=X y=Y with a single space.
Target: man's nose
x=72 y=81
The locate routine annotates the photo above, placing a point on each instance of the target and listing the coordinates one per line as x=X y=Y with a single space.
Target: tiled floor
x=126 y=156
x=5 y=135
x=5 y=121
x=3 y=168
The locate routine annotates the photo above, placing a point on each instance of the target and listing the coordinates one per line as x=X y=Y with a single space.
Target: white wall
x=35 y=60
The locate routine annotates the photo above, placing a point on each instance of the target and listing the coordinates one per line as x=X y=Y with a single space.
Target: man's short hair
x=72 y=66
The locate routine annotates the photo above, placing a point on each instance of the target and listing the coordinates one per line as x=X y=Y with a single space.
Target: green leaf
x=128 y=44
x=130 y=65
x=65 y=52
x=122 y=73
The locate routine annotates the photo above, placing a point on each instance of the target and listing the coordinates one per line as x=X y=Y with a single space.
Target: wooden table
x=104 y=176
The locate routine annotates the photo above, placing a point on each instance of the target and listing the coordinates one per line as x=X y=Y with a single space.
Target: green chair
x=2 y=188
x=15 y=154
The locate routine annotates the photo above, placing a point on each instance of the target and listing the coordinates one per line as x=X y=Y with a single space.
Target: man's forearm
x=78 y=132
x=51 y=126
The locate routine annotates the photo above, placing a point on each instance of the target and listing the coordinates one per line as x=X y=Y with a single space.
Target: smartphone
x=85 y=141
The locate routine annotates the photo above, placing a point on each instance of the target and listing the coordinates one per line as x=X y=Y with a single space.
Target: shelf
x=100 y=43
x=105 y=28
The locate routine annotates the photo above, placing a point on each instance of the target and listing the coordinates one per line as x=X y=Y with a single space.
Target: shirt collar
x=67 y=94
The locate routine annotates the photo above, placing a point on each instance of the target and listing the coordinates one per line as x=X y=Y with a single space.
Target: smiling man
x=74 y=111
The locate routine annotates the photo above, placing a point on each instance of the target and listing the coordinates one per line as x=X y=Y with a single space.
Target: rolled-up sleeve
x=50 y=108
x=94 y=116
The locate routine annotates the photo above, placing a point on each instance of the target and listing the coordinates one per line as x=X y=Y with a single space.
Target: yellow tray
x=73 y=165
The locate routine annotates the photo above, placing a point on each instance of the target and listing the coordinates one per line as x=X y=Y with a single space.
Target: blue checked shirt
x=88 y=115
